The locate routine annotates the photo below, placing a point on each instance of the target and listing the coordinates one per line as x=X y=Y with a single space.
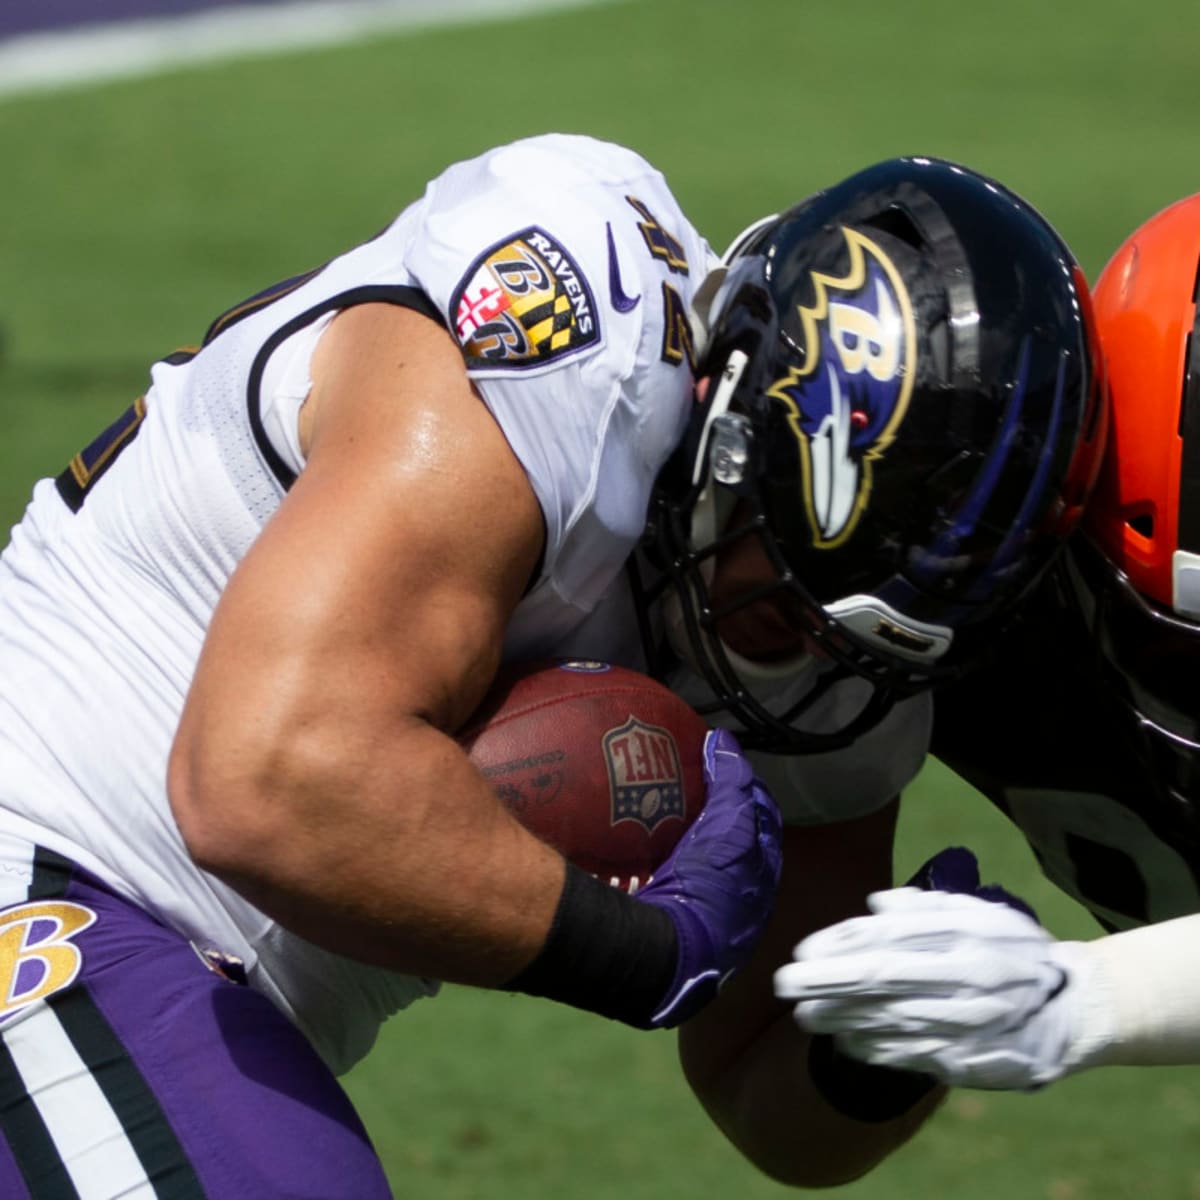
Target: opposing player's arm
x=314 y=768
x=748 y=1061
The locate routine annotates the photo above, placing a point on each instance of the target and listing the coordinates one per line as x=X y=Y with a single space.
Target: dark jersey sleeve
x=1038 y=732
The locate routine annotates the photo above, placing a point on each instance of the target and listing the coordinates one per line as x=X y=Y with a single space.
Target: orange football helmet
x=1144 y=515
x=1145 y=512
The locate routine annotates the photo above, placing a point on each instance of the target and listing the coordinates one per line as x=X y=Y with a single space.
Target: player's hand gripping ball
x=603 y=763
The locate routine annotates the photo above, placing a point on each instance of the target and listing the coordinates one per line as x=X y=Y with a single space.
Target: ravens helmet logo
x=849 y=397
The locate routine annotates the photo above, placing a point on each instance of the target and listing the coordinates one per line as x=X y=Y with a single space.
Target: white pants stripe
x=94 y=1148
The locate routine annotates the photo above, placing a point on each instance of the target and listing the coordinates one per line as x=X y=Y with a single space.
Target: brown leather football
x=602 y=762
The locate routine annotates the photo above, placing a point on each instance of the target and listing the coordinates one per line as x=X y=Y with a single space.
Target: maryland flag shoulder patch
x=524 y=303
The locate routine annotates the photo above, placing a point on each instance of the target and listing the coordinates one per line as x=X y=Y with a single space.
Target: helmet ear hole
x=899 y=224
x=1142 y=524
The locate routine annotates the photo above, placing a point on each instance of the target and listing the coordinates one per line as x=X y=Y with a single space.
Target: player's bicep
x=433 y=512
x=378 y=593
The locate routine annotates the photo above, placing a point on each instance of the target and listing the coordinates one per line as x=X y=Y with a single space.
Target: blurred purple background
x=48 y=16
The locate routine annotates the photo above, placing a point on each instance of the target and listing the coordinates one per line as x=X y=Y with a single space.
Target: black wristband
x=606 y=952
x=860 y=1090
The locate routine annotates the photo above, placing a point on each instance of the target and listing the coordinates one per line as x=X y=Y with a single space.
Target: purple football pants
x=129 y=1068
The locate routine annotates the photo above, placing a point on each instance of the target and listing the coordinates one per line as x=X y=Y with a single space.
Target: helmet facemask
x=710 y=503
x=852 y=322
x=1149 y=656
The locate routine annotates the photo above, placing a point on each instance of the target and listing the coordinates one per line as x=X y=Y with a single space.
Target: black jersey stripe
x=95 y=459
x=154 y=1141
x=32 y=1147
x=51 y=874
x=398 y=294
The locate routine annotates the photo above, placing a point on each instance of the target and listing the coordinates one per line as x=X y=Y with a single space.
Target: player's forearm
x=390 y=850
x=805 y=1119
x=748 y=1061
x=1142 y=1007
x=767 y=1104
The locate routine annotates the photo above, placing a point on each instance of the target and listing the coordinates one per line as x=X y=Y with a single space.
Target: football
x=602 y=762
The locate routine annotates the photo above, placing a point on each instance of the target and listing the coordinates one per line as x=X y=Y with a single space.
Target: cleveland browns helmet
x=1137 y=563
x=899 y=417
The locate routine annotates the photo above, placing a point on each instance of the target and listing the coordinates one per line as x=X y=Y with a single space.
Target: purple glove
x=956 y=869
x=718 y=885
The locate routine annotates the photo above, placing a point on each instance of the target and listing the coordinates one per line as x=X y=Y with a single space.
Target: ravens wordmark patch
x=524 y=303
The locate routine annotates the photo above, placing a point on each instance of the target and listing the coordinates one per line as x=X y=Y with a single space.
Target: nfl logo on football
x=643 y=774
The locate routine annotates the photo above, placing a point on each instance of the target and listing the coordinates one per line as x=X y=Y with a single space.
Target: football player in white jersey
x=1085 y=732
x=238 y=633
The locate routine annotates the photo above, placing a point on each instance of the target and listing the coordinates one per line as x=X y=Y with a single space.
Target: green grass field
x=132 y=213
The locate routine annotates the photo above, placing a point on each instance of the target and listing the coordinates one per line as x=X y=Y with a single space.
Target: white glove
x=968 y=990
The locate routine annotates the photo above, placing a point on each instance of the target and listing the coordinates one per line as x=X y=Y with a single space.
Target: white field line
x=51 y=61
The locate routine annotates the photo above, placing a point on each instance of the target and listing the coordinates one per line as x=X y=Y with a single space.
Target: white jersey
x=565 y=269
